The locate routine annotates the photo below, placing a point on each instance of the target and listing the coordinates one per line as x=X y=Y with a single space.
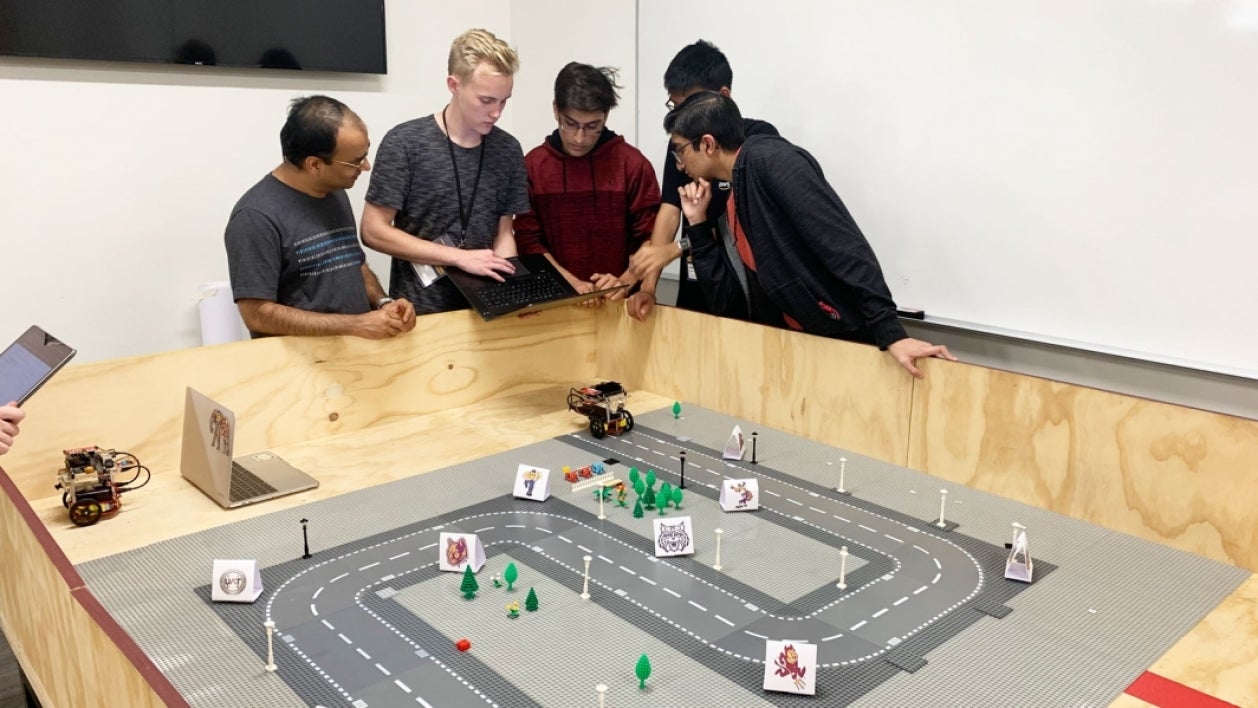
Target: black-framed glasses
x=568 y=125
x=678 y=150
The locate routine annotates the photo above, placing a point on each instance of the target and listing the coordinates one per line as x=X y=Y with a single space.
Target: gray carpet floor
x=11 y=693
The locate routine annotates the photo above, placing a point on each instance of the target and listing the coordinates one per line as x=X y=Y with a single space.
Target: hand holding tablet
x=29 y=362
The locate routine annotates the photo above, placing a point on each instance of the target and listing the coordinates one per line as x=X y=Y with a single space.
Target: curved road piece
x=322 y=617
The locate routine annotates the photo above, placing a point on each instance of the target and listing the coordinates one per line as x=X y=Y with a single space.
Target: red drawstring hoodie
x=591 y=212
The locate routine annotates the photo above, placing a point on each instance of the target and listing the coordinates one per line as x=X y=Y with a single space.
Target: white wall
x=1069 y=171
x=549 y=34
x=119 y=178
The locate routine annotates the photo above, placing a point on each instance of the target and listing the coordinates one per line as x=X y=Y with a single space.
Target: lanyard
x=464 y=217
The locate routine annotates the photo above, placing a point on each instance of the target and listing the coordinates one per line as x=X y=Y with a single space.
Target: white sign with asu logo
x=790 y=667
x=236 y=581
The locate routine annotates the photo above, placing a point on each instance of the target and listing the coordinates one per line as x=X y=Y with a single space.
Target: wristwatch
x=383 y=301
x=684 y=243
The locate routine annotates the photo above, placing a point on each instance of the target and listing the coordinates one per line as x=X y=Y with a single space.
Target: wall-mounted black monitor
x=316 y=35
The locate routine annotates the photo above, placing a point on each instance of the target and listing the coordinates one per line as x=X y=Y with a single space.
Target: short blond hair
x=480 y=45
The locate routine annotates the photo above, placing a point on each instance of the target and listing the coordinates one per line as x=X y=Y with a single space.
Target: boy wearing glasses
x=292 y=245
x=795 y=257
x=594 y=195
x=446 y=186
x=697 y=67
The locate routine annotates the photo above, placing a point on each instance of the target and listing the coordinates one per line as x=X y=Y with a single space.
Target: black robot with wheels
x=604 y=405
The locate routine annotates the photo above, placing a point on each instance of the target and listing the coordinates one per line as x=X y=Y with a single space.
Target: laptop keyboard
x=247 y=485
x=538 y=287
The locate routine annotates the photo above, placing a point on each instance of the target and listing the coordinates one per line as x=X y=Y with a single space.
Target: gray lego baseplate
x=926 y=616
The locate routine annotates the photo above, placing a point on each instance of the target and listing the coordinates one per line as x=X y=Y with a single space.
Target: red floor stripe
x=1165 y=693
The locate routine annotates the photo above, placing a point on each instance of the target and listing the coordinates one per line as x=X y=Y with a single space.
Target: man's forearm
x=667 y=221
x=375 y=291
x=379 y=234
x=276 y=319
x=399 y=244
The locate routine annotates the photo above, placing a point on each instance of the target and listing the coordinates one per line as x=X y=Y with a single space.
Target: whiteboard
x=1072 y=171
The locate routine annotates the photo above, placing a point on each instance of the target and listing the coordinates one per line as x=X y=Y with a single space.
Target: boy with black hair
x=794 y=257
x=697 y=67
x=594 y=196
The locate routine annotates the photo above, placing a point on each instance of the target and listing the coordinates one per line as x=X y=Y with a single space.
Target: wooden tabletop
x=170 y=506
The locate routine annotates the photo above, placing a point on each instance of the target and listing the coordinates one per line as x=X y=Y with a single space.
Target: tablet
x=29 y=362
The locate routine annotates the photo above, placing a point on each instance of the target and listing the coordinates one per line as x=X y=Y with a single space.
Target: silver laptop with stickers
x=209 y=430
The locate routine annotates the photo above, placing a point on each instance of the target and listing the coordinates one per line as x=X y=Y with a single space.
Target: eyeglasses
x=670 y=104
x=360 y=165
x=568 y=125
x=678 y=150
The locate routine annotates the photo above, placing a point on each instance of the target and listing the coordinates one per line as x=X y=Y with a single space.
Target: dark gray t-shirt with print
x=288 y=247
x=413 y=174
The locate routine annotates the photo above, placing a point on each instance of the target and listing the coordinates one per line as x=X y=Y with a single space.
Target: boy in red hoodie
x=593 y=195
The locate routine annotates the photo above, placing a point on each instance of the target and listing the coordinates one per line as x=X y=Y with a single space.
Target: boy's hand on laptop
x=484 y=262
x=603 y=281
x=589 y=287
x=581 y=286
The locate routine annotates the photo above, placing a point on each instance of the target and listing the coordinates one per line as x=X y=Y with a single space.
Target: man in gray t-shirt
x=446 y=186
x=292 y=250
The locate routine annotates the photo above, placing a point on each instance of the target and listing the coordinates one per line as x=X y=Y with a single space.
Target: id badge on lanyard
x=429 y=274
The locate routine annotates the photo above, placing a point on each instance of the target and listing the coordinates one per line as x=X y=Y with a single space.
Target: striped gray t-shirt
x=413 y=174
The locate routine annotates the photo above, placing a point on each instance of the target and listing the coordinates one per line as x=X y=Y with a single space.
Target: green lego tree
x=469 y=586
x=665 y=496
x=650 y=478
x=637 y=509
x=676 y=410
x=634 y=476
x=677 y=497
x=649 y=500
x=643 y=671
x=510 y=574
x=639 y=487
x=530 y=602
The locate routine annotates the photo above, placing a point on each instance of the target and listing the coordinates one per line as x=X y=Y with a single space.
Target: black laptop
x=535 y=285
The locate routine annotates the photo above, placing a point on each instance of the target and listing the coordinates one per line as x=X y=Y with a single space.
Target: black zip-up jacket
x=812 y=261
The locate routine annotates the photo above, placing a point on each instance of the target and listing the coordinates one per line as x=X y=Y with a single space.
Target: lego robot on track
x=604 y=405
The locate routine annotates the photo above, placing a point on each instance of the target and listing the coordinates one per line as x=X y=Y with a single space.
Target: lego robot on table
x=604 y=405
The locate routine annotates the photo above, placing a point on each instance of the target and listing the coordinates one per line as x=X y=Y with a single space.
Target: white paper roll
x=220 y=320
